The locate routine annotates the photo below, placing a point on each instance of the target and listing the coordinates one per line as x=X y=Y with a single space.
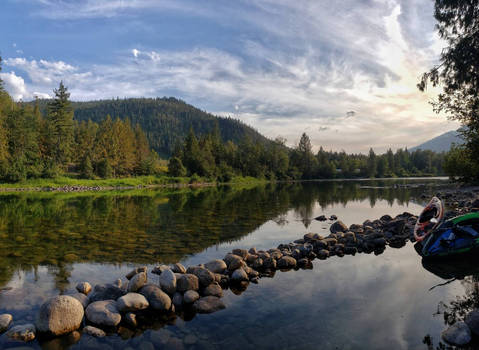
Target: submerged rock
x=5 y=322
x=60 y=315
x=94 y=332
x=458 y=334
x=208 y=305
x=103 y=313
x=23 y=332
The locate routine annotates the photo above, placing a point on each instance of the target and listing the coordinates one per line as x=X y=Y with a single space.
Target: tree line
x=35 y=144
x=207 y=156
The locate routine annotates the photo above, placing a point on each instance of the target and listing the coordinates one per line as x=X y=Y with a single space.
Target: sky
x=344 y=72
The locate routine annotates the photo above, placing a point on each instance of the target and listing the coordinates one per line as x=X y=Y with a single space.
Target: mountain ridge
x=441 y=143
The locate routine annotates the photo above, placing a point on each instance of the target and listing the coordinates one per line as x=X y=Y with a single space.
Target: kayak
x=439 y=238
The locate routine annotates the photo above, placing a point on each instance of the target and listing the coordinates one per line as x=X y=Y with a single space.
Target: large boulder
x=157 y=299
x=137 y=281
x=60 y=315
x=458 y=334
x=23 y=332
x=168 y=281
x=131 y=302
x=205 y=277
x=208 y=305
x=103 y=313
x=5 y=322
x=105 y=292
x=186 y=282
x=216 y=266
x=338 y=226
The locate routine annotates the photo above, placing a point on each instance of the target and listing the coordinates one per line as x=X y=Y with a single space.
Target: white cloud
x=15 y=86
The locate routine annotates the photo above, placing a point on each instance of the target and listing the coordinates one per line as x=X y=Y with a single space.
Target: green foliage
x=86 y=168
x=461 y=165
x=104 y=169
x=176 y=168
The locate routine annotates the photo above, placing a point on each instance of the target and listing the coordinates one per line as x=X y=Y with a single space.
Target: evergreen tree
x=372 y=164
x=176 y=168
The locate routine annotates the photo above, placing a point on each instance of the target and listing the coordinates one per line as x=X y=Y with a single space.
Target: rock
x=103 y=313
x=118 y=283
x=131 y=302
x=239 y=275
x=5 y=322
x=308 y=237
x=233 y=262
x=205 y=277
x=216 y=266
x=168 y=282
x=60 y=315
x=213 y=289
x=338 y=226
x=190 y=296
x=251 y=258
x=385 y=218
x=320 y=218
x=137 y=281
x=157 y=299
x=94 y=332
x=333 y=217
x=263 y=255
x=187 y=282
x=177 y=299
x=23 y=332
x=350 y=250
x=243 y=253
x=269 y=263
x=130 y=319
x=286 y=262
x=258 y=263
x=472 y=320
x=208 y=305
x=82 y=298
x=458 y=334
x=135 y=271
x=275 y=254
x=105 y=292
x=84 y=287
x=158 y=270
x=178 y=268
x=253 y=251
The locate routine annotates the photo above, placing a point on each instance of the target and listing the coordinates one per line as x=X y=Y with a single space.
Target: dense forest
x=165 y=121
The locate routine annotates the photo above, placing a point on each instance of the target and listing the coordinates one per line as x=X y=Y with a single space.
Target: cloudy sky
x=344 y=72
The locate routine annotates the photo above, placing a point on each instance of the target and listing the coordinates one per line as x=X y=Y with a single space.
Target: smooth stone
x=84 y=287
x=208 y=305
x=286 y=262
x=137 y=281
x=213 y=289
x=258 y=263
x=216 y=266
x=131 y=302
x=94 y=332
x=177 y=299
x=130 y=319
x=243 y=253
x=338 y=226
x=239 y=275
x=187 y=282
x=253 y=251
x=5 y=322
x=23 y=332
x=458 y=334
x=205 y=277
x=168 y=282
x=105 y=292
x=269 y=263
x=135 y=271
x=82 y=298
x=233 y=261
x=158 y=270
x=178 y=268
x=190 y=296
x=60 y=315
x=118 y=283
x=103 y=313
x=157 y=299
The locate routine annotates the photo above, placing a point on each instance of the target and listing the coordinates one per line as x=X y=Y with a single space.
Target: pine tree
x=372 y=164
x=176 y=168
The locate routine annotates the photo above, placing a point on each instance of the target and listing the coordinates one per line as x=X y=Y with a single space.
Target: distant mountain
x=166 y=121
x=441 y=143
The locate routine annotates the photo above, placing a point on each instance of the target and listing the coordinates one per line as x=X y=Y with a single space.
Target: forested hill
x=166 y=121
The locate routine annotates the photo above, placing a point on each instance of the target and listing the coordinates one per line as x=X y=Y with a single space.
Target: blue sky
x=342 y=71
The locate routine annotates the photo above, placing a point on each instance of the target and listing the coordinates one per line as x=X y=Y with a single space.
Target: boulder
x=131 y=302
x=190 y=296
x=258 y=263
x=135 y=271
x=137 y=281
x=187 y=282
x=60 y=315
x=157 y=299
x=233 y=261
x=243 y=253
x=275 y=254
x=5 y=322
x=177 y=299
x=286 y=262
x=178 y=268
x=168 y=282
x=84 y=287
x=216 y=266
x=458 y=334
x=253 y=251
x=269 y=263
x=82 y=298
x=239 y=275
x=338 y=226
x=103 y=313
x=263 y=255
x=205 y=277
x=158 y=270
x=213 y=289
x=23 y=332
x=208 y=305
x=321 y=218
x=472 y=320
x=94 y=332
x=105 y=292
x=251 y=258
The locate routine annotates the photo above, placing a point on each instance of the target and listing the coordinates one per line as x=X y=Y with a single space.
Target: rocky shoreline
x=140 y=299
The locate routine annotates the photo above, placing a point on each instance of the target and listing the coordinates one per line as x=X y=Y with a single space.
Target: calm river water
x=49 y=242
